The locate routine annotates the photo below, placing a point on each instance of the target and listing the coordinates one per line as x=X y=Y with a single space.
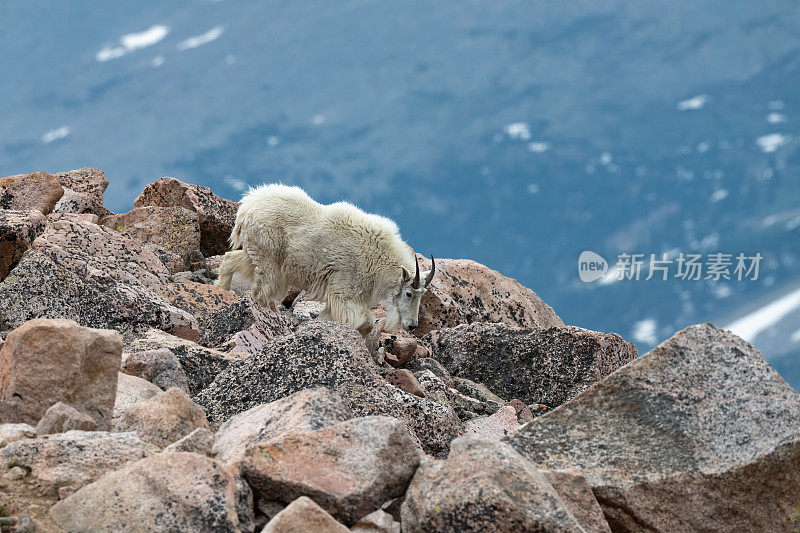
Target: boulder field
x=137 y=396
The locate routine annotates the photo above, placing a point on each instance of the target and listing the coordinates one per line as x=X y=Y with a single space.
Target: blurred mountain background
x=515 y=133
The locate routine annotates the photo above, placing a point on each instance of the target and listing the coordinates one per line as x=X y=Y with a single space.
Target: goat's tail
x=233 y=262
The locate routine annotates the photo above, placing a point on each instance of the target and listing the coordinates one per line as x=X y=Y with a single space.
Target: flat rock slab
x=175 y=229
x=163 y=419
x=535 y=365
x=304 y=515
x=698 y=434
x=350 y=468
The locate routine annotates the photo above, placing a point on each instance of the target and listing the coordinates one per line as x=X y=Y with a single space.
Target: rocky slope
x=137 y=396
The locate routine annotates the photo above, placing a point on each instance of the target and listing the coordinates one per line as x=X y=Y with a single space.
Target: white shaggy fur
x=349 y=259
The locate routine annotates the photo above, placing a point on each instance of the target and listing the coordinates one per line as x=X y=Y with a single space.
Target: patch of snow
x=644 y=331
x=133 y=41
x=749 y=326
x=696 y=102
x=58 y=133
x=108 y=53
x=518 y=131
x=773 y=141
x=148 y=37
x=777 y=118
x=199 y=40
x=719 y=195
x=538 y=147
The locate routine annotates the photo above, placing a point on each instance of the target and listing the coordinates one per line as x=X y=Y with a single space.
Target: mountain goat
x=338 y=254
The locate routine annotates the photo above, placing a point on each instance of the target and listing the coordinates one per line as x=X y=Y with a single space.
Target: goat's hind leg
x=233 y=262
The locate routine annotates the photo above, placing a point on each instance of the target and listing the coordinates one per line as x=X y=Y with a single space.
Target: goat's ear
x=406 y=275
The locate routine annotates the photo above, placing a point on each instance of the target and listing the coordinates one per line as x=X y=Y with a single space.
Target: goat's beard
x=393 y=322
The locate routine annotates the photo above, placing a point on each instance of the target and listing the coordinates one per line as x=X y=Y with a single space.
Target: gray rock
x=484 y=485
x=699 y=434
x=160 y=367
x=333 y=355
x=548 y=366
x=61 y=417
x=200 y=364
x=23 y=192
x=349 y=469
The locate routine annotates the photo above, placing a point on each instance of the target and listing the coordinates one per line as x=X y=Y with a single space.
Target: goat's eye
x=408 y=294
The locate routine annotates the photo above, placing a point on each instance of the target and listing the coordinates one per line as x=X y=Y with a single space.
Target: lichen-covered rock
x=160 y=367
x=216 y=215
x=200 y=299
x=164 y=492
x=75 y=457
x=244 y=326
x=94 y=276
x=83 y=191
x=333 y=355
x=349 y=469
x=548 y=366
x=132 y=389
x=24 y=192
x=200 y=364
x=174 y=229
x=48 y=361
x=304 y=515
x=163 y=419
x=306 y=410
x=463 y=291
x=698 y=434
x=484 y=485
x=18 y=229
x=61 y=418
